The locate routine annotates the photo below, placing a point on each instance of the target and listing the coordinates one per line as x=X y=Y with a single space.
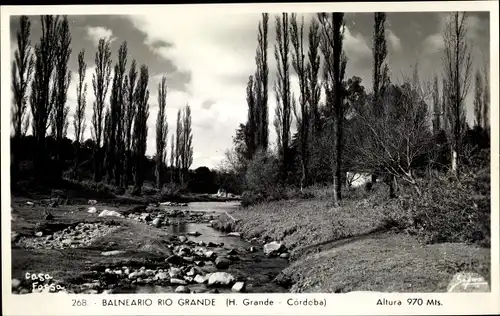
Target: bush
x=262 y=175
x=446 y=211
x=250 y=198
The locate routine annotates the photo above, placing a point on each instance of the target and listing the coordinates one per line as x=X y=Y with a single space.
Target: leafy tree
x=299 y=65
x=187 y=151
x=161 y=132
x=283 y=116
x=100 y=85
x=313 y=66
x=130 y=111
x=79 y=123
x=141 y=126
x=478 y=100
x=457 y=64
x=41 y=98
x=22 y=71
x=261 y=86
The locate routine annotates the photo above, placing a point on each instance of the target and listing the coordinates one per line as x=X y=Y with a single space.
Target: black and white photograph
x=231 y=152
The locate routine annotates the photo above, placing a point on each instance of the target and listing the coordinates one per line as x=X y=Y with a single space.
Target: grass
x=386 y=263
x=366 y=244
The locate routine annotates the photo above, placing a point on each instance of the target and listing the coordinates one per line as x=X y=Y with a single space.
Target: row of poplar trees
x=119 y=130
x=325 y=57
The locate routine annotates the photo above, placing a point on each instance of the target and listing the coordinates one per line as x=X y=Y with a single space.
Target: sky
x=207 y=62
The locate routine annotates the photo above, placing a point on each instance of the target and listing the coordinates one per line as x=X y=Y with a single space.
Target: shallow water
x=257 y=269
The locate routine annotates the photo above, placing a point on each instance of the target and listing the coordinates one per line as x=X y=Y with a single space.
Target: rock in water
x=285 y=255
x=92 y=202
x=182 y=239
x=234 y=234
x=112 y=253
x=252 y=249
x=272 y=248
x=200 y=279
x=468 y=282
x=92 y=210
x=238 y=287
x=157 y=222
x=161 y=276
x=39 y=234
x=221 y=278
x=106 y=213
x=182 y=289
x=177 y=281
x=195 y=234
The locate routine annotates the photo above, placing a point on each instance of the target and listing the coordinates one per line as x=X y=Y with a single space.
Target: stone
x=232 y=252
x=39 y=234
x=145 y=217
x=15 y=283
x=195 y=234
x=209 y=254
x=252 y=249
x=200 y=279
x=92 y=202
x=67 y=242
x=222 y=263
x=182 y=239
x=162 y=276
x=30 y=203
x=190 y=272
x=182 y=289
x=273 y=248
x=106 y=213
x=220 y=278
x=134 y=275
x=188 y=259
x=174 y=259
x=234 y=234
x=157 y=222
x=464 y=282
x=285 y=255
x=238 y=287
x=213 y=291
x=112 y=253
x=177 y=281
x=211 y=244
x=92 y=210
x=175 y=272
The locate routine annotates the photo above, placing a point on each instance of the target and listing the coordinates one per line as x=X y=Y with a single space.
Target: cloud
x=433 y=43
x=95 y=33
x=394 y=40
x=355 y=45
x=207 y=104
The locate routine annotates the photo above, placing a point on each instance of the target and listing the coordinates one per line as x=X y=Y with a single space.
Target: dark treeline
x=115 y=153
x=397 y=132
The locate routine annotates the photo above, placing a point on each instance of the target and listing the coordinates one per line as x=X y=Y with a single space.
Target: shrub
x=250 y=198
x=262 y=175
x=446 y=211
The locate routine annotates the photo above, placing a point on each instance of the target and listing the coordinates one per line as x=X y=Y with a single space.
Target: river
x=257 y=269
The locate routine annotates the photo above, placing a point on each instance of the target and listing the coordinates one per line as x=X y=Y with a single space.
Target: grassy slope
x=336 y=261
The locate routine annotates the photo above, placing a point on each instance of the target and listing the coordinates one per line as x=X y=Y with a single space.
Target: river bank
x=353 y=248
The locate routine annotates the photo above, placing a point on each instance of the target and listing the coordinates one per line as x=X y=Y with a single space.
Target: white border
x=347 y=304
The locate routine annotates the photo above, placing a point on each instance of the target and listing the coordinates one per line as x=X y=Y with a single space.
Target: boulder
x=92 y=210
x=177 y=281
x=273 y=248
x=133 y=275
x=220 y=278
x=285 y=255
x=157 y=222
x=106 y=213
x=175 y=272
x=174 y=259
x=238 y=287
x=112 y=253
x=162 y=276
x=195 y=234
x=209 y=254
x=182 y=289
x=182 y=239
x=200 y=279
